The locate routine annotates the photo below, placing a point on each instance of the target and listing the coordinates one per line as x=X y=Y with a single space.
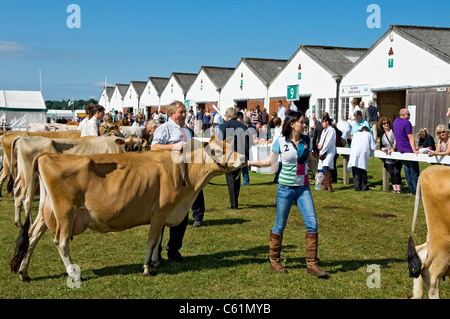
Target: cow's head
x=132 y=144
x=222 y=154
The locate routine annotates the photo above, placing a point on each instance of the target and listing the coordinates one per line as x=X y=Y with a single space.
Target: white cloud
x=102 y=84
x=12 y=46
x=16 y=50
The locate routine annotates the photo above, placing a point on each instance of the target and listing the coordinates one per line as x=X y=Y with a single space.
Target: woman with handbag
x=327 y=150
x=388 y=145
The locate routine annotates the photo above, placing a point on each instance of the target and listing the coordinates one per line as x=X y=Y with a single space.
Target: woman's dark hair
x=290 y=117
x=328 y=120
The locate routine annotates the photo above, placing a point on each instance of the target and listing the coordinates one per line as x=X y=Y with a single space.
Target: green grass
x=228 y=256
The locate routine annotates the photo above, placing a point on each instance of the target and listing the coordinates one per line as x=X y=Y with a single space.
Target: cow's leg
x=3 y=177
x=64 y=225
x=18 y=196
x=154 y=238
x=62 y=244
x=437 y=269
x=417 y=292
x=155 y=261
x=37 y=230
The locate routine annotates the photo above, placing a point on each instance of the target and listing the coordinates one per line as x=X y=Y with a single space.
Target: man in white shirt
x=355 y=108
x=88 y=116
x=91 y=127
x=281 y=110
x=293 y=107
x=173 y=135
x=346 y=128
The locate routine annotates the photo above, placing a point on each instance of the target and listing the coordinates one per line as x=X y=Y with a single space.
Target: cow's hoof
x=24 y=277
x=148 y=274
x=18 y=224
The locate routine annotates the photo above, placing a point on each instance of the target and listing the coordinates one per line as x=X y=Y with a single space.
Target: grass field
x=228 y=256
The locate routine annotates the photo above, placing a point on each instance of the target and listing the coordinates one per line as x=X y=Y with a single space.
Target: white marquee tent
x=18 y=109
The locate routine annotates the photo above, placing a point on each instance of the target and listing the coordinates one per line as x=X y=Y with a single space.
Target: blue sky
x=132 y=40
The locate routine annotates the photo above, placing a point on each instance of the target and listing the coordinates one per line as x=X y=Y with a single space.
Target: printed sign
x=355 y=90
x=292 y=93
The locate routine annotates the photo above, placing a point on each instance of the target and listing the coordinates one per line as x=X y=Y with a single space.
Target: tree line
x=64 y=104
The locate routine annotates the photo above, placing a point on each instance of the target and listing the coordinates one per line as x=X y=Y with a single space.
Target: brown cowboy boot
x=327 y=179
x=275 y=250
x=311 y=256
x=324 y=182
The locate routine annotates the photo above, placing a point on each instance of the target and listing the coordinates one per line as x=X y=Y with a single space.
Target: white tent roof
x=22 y=100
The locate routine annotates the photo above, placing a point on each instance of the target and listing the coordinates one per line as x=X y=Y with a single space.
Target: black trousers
x=359 y=179
x=177 y=232
x=395 y=171
x=234 y=186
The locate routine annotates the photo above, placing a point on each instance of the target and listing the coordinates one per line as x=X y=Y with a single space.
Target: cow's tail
x=23 y=240
x=414 y=262
x=22 y=244
x=10 y=185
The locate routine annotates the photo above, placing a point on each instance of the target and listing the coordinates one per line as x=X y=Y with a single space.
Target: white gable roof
x=22 y=100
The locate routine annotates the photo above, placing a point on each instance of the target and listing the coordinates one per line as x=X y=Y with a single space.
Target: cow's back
x=100 y=145
x=102 y=184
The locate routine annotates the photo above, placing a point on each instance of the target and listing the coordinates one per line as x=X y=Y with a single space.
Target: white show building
x=207 y=87
x=131 y=101
x=311 y=76
x=151 y=97
x=105 y=98
x=248 y=85
x=408 y=67
x=176 y=89
x=117 y=99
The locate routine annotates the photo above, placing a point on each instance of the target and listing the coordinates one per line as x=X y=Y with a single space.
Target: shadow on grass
x=221 y=222
x=235 y=258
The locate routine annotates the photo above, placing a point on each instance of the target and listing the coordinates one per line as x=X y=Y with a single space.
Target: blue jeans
x=412 y=172
x=286 y=195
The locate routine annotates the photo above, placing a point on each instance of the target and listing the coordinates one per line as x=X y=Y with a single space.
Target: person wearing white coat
x=362 y=144
x=327 y=150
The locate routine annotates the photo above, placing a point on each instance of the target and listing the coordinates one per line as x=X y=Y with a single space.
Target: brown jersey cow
x=161 y=188
x=27 y=147
x=430 y=262
x=7 y=141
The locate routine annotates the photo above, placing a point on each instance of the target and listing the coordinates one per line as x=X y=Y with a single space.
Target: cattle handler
x=294 y=148
x=173 y=135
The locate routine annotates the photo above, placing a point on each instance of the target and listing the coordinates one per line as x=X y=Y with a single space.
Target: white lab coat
x=362 y=144
x=328 y=142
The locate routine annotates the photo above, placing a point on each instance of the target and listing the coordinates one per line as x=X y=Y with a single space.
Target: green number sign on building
x=292 y=93
x=391 y=63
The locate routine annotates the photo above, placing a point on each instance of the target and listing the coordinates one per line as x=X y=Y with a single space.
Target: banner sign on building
x=355 y=90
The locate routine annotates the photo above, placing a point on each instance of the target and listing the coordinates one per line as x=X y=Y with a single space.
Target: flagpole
x=40 y=79
x=106 y=96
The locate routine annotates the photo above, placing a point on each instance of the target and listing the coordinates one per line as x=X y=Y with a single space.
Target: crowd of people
x=363 y=131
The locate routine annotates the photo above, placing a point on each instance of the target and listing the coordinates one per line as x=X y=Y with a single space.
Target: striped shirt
x=294 y=170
